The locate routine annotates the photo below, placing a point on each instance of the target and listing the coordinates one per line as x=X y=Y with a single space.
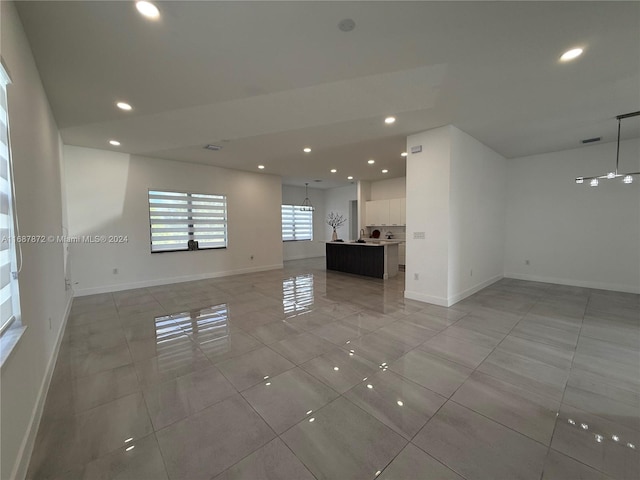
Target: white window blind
x=297 y=224
x=176 y=218
x=9 y=295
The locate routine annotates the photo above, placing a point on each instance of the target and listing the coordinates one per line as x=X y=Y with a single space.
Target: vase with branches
x=335 y=220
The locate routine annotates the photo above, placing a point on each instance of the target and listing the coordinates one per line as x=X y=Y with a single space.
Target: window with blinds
x=297 y=224
x=187 y=221
x=9 y=295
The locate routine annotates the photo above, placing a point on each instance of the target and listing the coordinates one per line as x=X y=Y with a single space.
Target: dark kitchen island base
x=371 y=260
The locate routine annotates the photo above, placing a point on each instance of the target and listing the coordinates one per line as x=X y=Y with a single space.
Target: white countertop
x=378 y=243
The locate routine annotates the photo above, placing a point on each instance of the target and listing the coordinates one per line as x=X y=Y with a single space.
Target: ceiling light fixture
x=403 y=154
x=390 y=120
x=349 y=177
x=306 y=203
x=371 y=162
x=306 y=150
x=261 y=167
x=148 y=10
x=571 y=54
x=124 y=106
x=115 y=143
x=333 y=170
x=346 y=25
x=385 y=171
x=626 y=177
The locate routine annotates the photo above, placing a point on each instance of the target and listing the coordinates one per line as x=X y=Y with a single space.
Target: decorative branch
x=335 y=220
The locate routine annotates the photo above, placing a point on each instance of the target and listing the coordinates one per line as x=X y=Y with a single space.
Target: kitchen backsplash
x=398 y=233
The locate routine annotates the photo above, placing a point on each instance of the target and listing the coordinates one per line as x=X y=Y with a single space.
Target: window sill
x=187 y=250
x=9 y=341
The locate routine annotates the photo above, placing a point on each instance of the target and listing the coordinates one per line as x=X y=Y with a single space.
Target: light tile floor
x=302 y=373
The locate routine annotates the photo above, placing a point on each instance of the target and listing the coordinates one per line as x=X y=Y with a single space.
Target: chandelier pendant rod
x=618 y=146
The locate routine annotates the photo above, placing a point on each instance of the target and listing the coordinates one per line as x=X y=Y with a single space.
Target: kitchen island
x=378 y=260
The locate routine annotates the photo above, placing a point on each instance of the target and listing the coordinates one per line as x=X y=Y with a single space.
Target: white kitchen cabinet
x=384 y=213
x=397 y=211
x=377 y=212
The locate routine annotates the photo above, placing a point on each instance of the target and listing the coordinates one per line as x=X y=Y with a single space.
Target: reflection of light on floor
x=208 y=326
x=297 y=294
x=207 y=320
x=597 y=437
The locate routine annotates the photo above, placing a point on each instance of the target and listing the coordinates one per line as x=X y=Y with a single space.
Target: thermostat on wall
x=416 y=149
x=418 y=235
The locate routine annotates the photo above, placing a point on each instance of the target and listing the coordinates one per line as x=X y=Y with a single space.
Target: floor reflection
x=297 y=294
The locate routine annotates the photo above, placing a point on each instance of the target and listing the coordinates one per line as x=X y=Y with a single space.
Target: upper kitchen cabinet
x=386 y=213
x=377 y=212
x=398 y=211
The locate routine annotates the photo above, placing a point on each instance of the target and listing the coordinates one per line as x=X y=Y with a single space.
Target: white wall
x=428 y=211
x=107 y=194
x=574 y=234
x=456 y=190
x=337 y=200
x=306 y=249
x=44 y=302
x=388 y=189
x=477 y=216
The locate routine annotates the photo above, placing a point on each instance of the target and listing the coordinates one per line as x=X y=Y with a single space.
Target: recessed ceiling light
x=148 y=9
x=115 y=143
x=306 y=150
x=333 y=170
x=403 y=154
x=371 y=162
x=349 y=177
x=123 y=106
x=346 y=25
x=385 y=171
x=389 y=120
x=571 y=54
x=261 y=167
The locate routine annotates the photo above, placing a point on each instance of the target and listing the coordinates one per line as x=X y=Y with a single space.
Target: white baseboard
x=28 y=442
x=453 y=299
x=616 y=287
x=421 y=297
x=303 y=257
x=165 y=281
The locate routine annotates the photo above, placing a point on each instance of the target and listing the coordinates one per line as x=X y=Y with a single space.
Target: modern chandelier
x=626 y=177
x=306 y=204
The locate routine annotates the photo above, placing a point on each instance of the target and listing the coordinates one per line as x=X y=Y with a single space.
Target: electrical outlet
x=527 y=262
x=416 y=276
x=115 y=271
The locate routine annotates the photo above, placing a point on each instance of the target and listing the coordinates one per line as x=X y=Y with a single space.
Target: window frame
x=12 y=329
x=310 y=212
x=190 y=206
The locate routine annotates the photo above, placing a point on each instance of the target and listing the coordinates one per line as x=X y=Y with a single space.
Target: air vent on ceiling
x=215 y=148
x=591 y=140
x=317 y=181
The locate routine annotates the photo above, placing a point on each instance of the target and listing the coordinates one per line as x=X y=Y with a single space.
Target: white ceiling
x=265 y=79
